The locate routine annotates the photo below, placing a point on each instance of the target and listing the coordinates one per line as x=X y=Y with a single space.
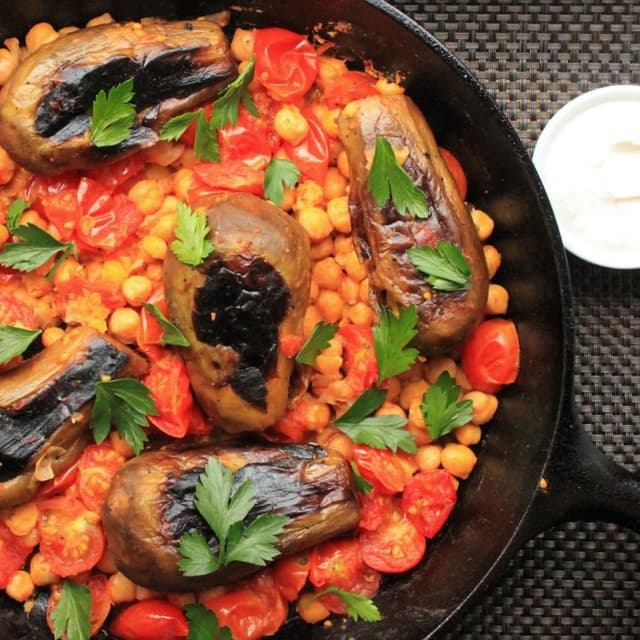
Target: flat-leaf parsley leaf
x=171 y=334
x=359 y=607
x=192 y=245
x=14 y=341
x=441 y=409
x=447 y=268
x=204 y=625
x=280 y=173
x=113 y=115
x=391 y=335
x=319 y=339
x=226 y=109
x=70 y=617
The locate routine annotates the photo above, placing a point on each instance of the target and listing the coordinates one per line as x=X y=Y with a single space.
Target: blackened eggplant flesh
x=383 y=235
x=236 y=305
x=45 y=105
x=150 y=506
x=45 y=405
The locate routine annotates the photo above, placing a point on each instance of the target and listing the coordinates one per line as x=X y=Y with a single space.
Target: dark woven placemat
x=580 y=580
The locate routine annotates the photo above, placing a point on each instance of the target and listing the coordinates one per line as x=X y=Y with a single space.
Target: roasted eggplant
x=382 y=235
x=45 y=105
x=234 y=307
x=45 y=405
x=149 y=506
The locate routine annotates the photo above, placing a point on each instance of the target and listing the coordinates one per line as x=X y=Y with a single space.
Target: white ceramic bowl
x=588 y=157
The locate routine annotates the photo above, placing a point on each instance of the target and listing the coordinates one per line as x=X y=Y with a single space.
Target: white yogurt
x=588 y=158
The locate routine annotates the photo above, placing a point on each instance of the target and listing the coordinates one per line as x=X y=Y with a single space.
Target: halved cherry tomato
x=61 y=209
x=360 y=363
x=224 y=176
x=13 y=554
x=350 y=86
x=491 y=357
x=15 y=312
x=170 y=388
x=71 y=539
x=428 y=500
x=456 y=171
x=152 y=619
x=339 y=563
x=41 y=185
x=112 y=175
x=252 y=608
x=311 y=156
x=59 y=484
x=100 y=602
x=291 y=574
x=395 y=546
x=373 y=509
x=96 y=467
x=388 y=472
x=286 y=63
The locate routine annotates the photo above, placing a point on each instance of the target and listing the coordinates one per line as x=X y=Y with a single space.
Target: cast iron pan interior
x=494 y=502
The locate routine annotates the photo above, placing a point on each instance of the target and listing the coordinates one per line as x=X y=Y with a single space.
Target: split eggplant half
x=383 y=235
x=45 y=405
x=235 y=306
x=45 y=105
x=149 y=506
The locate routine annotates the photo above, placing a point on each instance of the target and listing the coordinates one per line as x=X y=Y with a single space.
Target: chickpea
x=335 y=184
x=181 y=599
x=497 y=300
x=314 y=290
x=124 y=324
x=342 y=444
x=31 y=216
x=327 y=273
x=142 y=593
x=41 y=572
x=412 y=393
x=8 y=64
x=288 y=199
x=391 y=409
x=394 y=386
x=155 y=247
x=493 y=259
x=355 y=269
x=290 y=124
x=316 y=415
x=437 y=365
x=343 y=164
x=311 y=610
x=483 y=223
x=113 y=272
x=329 y=122
x=4 y=235
x=165 y=227
x=22 y=519
x=316 y=223
x=7 y=165
x=51 y=335
x=39 y=35
x=361 y=313
x=328 y=364
x=363 y=291
x=330 y=305
x=183 y=180
x=338 y=212
x=308 y=194
x=458 y=459
x=20 y=586
x=349 y=290
x=120 y=445
x=136 y=289
x=428 y=457
x=485 y=406
x=147 y=195
x=121 y=589
x=322 y=249
x=416 y=418
x=329 y=69
x=468 y=434
x=242 y=44
x=66 y=271
x=104 y=18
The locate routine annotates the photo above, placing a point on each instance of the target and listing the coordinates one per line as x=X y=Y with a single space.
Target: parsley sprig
x=226 y=109
x=71 y=615
x=319 y=339
x=125 y=403
x=225 y=511
x=381 y=432
x=36 y=248
x=15 y=210
x=389 y=181
x=442 y=410
x=280 y=173
x=14 y=341
x=113 y=115
x=359 y=607
x=446 y=266
x=362 y=486
x=204 y=625
x=171 y=334
x=391 y=335
x=192 y=245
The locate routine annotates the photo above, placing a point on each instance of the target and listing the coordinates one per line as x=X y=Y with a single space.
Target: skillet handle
x=582 y=484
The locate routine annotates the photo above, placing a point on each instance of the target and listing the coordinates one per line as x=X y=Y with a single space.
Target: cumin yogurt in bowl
x=588 y=157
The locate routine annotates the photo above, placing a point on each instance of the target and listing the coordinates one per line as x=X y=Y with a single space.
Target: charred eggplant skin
x=150 y=506
x=45 y=405
x=44 y=106
x=382 y=235
x=234 y=307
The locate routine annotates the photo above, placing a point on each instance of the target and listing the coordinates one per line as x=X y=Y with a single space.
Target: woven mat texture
x=580 y=580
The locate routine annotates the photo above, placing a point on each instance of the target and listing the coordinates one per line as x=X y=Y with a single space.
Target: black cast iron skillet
x=535 y=434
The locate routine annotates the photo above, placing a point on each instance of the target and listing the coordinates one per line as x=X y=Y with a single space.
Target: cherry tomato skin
x=428 y=500
x=228 y=176
x=311 y=156
x=395 y=546
x=456 y=170
x=69 y=541
x=248 y=141
x=13 y=554
x=360 y=363
x=374 y=507
x=350 y=86
x=96 y=467
x=291 y=575
x=286 y=63
x=150 y=620
x=491 y=357
x=61 y=209
x=113 y=175
x=290 y=344
x=388 y=472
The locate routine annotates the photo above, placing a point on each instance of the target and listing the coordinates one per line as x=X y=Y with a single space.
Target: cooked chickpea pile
x=339 y=294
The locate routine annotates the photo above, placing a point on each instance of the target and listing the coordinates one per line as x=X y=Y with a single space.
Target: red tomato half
x=388 y=472
x=150 y=620
x=291 y=574
x=311 y=156
x=15 y=312
x=13 y=554
x=395 y=546
x=373 y=509
x=350 y=86
x=456 y=171
x=59 y=484
x=69 y=541
x=491 y=357
x=251 y=609
x=428 y=500
x=360 y=363
x=96 y=467
x=100 y=602
x=286 y=63
x=61 y=209
x=224 y=176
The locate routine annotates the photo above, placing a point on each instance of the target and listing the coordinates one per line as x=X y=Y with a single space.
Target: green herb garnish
x=204 y=625
x=192 y=245
x=319 y=339
x=113 y=115
x=447 y=268
x=280 y=173
x=391 y=336
x=441 y=409
x=71 y=615
x=15 y=341
x=171 y=334
x=358 y=607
